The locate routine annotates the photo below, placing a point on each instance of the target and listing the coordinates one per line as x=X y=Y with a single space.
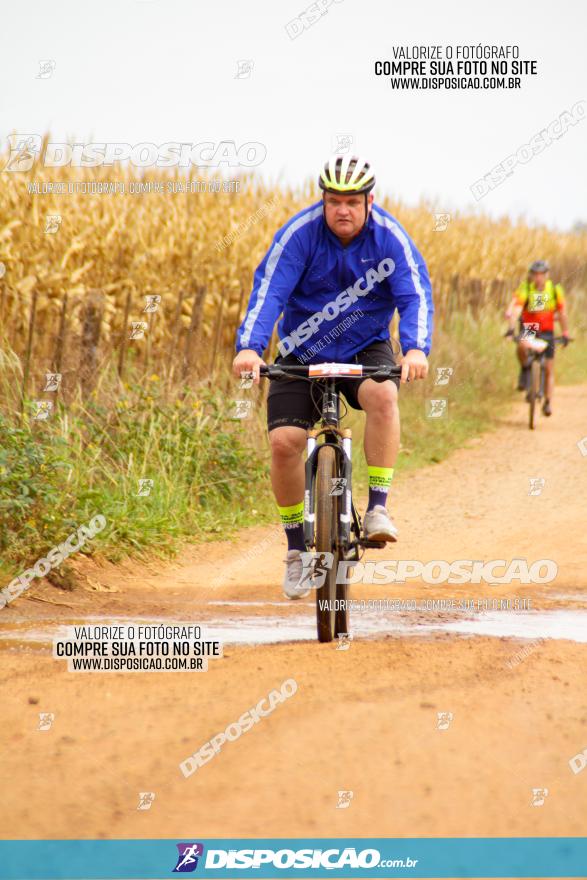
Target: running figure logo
x=242 y=409
x=338 y=485
x=344 y=800
x=187 y=860
x=537 y=484
x=443 y=375
x=437 y=408
x=43 y=409
x=152 y=301
x=146 y=799
x=246 y=379
x=52 y=223
x=46 y=68
x=137 y=329
x=444 y=719
x=529 y=330
x=539 y=795
x=52 y=381
x=539 y=302
x=316 y=567
x=244 y=68
x=441 y=221
x=23 y=150
x=46 y=719
x=342 y=143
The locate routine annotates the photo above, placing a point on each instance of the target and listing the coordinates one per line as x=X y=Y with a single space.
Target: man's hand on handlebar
x=247 y=360
x=414 y=365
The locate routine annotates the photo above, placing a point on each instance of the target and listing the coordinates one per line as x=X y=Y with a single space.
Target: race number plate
x=537 y=345
x=335 y=370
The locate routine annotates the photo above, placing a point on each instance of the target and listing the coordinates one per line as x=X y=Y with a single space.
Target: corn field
x=162 y=279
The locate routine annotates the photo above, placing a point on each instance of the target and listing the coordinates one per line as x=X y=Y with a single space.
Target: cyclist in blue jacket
x=336 y=272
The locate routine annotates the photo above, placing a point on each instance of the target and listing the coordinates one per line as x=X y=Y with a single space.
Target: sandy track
x=363 y=720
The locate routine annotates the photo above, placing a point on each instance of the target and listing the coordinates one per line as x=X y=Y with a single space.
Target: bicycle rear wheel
x=534 y=391
x=326 y=534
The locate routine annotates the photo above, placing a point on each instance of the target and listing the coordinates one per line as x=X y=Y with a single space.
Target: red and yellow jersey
x=540 y=306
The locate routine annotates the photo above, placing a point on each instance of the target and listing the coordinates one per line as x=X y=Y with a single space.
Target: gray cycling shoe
x=294 y=570
x=378 y=526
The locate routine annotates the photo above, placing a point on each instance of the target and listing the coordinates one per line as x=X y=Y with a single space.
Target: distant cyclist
x=537 y=301
x=336 y=272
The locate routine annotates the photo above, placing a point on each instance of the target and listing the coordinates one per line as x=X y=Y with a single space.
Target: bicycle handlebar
x=556 y=339
x=273 y=371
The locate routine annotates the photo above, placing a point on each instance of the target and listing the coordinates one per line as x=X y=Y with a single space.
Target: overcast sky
x=165 y=70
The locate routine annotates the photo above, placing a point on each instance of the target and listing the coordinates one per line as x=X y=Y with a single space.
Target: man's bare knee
x=379 y=399
x=287 y=443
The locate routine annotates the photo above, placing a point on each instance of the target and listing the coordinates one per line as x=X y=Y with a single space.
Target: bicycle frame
x=541 y=358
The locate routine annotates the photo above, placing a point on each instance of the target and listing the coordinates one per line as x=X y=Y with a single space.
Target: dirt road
x=364 y=719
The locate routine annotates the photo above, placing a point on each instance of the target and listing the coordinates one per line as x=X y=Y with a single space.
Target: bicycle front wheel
x=326 y=535
x=534 y=391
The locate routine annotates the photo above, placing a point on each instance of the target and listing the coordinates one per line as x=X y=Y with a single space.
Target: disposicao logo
x=187 y=860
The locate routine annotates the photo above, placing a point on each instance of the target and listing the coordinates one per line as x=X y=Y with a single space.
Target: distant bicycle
x=332 y=526
x=536 y=370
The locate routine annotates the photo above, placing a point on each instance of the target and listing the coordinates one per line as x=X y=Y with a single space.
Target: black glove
x=509 y=332
x=566 y=341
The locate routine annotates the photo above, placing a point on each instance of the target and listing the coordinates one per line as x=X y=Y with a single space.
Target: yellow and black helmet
x=346 y=174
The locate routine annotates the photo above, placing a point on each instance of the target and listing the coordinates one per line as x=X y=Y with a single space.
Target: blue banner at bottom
x=513 y=857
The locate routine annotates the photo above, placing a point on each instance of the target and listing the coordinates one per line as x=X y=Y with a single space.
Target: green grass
x=55 y=475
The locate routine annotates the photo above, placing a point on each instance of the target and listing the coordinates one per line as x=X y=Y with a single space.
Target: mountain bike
x=536 y=362
x=332 y=526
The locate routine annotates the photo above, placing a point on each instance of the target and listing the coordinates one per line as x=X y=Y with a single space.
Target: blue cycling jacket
x=335 y=300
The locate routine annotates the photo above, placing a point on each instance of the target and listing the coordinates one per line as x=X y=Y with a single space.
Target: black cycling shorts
x=290 y=403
